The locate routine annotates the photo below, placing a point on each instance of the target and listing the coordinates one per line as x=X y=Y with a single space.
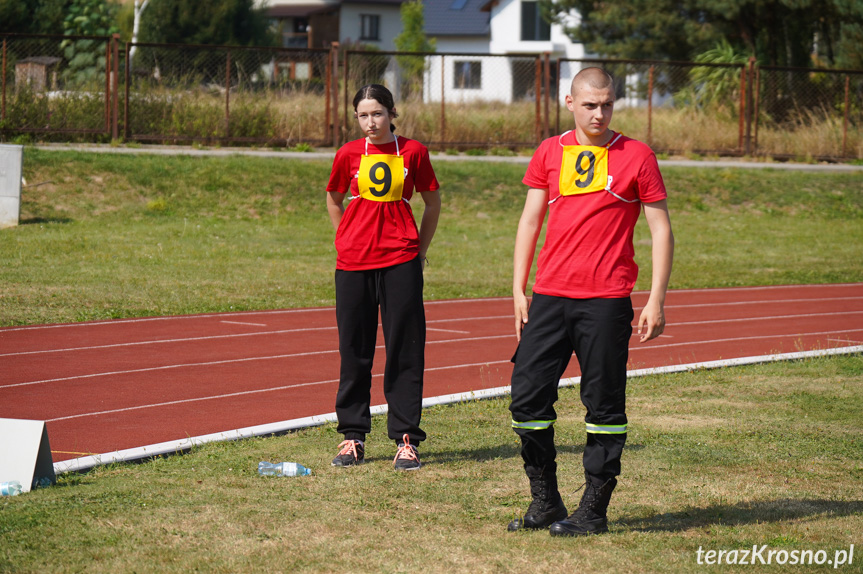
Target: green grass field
x=110 y=236
x=718 y=460
x=727 y=459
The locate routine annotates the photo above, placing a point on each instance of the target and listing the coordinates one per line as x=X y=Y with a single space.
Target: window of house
x=370 y=25
x=468 y=75
x=533 y=25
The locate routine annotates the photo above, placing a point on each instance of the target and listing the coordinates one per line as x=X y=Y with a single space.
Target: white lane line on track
x=164 y=368
x=252 y=392
x=447 y=341
x=172 y=318
x=175 y=446
x=241 y=323
x=766 y=318
x=171 y=341
x=228 y=336
x=441 y=302
x=224 y=362
x=732 y=339
x=447 y=367
x=434 y=321
x=757 y=302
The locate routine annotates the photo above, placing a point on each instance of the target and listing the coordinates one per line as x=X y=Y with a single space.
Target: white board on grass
x=11 y=162
x=25 y=454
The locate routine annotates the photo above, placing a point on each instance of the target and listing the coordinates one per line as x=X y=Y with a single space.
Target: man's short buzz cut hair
x=596 y=78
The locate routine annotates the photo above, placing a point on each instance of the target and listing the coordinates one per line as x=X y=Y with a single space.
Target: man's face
x=592 y=109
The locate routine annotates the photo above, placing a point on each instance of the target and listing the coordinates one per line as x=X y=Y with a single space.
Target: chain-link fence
x=675 y=107
x=808 y=113
x=61 y=86
x=181 y=93
x=55 y=85
x=453 y=100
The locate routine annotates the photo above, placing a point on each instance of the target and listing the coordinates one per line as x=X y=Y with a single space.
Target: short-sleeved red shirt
x=376 y=234
x=588 y=250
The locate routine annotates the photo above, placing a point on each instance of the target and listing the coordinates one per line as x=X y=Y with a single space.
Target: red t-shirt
x=378 y=234
x=588 y=251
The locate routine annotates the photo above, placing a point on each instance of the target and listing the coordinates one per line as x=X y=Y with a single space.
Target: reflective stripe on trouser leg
x=601 y=330
x=540 y=360
x=606 y=429
x=532 y=425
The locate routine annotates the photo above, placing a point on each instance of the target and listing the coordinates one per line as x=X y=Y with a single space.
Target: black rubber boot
x=546 y=506
x=590 y=517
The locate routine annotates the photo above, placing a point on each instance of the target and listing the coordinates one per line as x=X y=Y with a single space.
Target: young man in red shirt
x=593 y=183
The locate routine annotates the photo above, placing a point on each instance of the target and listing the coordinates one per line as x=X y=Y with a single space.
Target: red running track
x=112 y=385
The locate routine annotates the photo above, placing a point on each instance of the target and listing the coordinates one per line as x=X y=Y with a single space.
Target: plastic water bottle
x=282 y=469
x=10 y=488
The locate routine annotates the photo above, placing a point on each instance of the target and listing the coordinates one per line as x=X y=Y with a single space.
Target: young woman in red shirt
x=380 y=259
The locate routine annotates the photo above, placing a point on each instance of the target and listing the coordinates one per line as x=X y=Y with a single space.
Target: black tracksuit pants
x=598 y=331
x=397 y=290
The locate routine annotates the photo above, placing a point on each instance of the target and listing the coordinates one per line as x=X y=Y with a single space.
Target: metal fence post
x=108 y=55
x=742 y=110
x=557 y=101
x=845 y=114
x=328 y=96
x=3 y=102
x=546 y=69
x=650 y=104
x=115 y=85
x=537 y=88
x=228 y=95
x=333 y=101
x=443 y=101
x=345 y=126
x=336 y=131
x=126 y=93
x=757 y=112
x=748 y=141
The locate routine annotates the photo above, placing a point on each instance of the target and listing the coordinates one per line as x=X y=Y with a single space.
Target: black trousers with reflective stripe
x=598 y=331
x=398 y=291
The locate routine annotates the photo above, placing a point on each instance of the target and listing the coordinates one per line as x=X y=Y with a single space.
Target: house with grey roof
x=489 y=46
x=319 y=23
x=494 y=44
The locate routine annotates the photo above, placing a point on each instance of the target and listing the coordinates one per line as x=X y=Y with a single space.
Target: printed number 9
x=586 y=173
x=386 y=180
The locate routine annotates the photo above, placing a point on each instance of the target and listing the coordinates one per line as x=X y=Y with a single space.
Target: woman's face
x=374 y=120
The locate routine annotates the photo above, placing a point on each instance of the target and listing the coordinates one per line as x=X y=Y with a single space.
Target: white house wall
x=505 y=39
x=461 y=45
x=496 y=84
x=506 y=31
x=390 y=24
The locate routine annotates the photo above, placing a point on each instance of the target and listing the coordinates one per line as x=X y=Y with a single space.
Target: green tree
x=86 y=57
x=413 y=39
x=710 y=86
x=776 y=32
x=219 y=22
x=638 y=29
x=32 y=16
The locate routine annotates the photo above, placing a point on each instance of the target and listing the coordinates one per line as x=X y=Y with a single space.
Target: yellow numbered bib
x=584 y=169
x=381 y=177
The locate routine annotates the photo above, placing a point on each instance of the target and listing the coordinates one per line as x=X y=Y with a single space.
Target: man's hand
x=521 y=305
x=653 y=317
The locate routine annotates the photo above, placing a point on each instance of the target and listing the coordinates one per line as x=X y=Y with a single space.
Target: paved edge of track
x=173 y=447
x=328 y=156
